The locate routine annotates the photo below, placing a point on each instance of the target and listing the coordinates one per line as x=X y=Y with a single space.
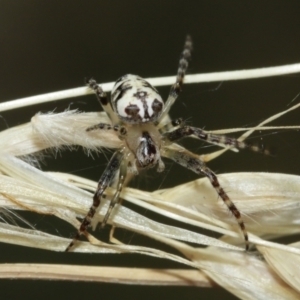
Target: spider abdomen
x=135 y=100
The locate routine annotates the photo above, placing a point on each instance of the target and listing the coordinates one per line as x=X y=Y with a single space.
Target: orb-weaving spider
x=136 y=110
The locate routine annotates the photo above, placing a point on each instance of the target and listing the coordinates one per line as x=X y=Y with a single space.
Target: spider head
x=135 y=100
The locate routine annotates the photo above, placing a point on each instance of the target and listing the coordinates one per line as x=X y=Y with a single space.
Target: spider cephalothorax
x=136 y=110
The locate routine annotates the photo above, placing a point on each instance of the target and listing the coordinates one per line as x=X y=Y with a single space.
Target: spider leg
x=174 y=124
x=192 y=162
x=103 y=100
x=216 y=139
x=103 y=126
x=105 y=180
x=116 y=197
x=183 y=65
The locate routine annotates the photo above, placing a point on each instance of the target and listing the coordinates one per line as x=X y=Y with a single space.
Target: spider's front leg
x=105 y=181
x=192 y=162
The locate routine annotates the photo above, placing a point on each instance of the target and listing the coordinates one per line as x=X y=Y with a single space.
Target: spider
x=136 y=110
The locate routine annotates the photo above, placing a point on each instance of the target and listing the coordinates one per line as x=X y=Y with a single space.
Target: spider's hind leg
x=194 y=163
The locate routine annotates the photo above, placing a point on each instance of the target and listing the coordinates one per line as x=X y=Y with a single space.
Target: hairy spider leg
x=105 y=181
x=177 y=87
x=116 y=198
x=103 y=126
x=192 y=162
x=103 y=100
x=172 y=125
x=215 y=139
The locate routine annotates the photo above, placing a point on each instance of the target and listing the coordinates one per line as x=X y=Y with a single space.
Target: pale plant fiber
x=269 y=204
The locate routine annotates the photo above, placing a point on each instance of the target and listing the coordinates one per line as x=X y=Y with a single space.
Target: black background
x=48 y=46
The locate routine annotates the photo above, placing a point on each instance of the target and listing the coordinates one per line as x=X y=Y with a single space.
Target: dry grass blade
x=167 y=277
x=285 y=264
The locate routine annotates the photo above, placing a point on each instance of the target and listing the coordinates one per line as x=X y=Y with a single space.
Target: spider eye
x=132 y=110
